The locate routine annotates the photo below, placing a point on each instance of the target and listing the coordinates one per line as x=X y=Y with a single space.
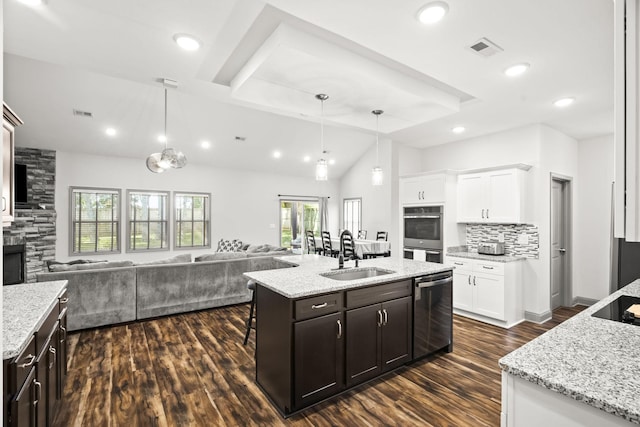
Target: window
x=297 y=216
x=352 y=215
x=148 y=224
x=95 y=220
x=192 y=220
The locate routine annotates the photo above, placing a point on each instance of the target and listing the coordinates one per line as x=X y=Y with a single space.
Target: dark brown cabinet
x=310 y=349
x=319 y=358
x=378 y=339
x=34 y=380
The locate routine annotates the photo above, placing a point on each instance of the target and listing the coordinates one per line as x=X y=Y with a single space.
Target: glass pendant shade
x=322 y=170
x=169 y=158
x=377 y=176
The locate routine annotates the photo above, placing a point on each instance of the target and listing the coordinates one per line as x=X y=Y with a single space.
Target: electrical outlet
x=523 y=239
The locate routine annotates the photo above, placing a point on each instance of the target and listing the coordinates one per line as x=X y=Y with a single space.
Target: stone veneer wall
x=477 y=233
x=35 y=225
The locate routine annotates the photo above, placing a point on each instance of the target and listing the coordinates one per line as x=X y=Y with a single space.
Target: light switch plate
x=523 y=239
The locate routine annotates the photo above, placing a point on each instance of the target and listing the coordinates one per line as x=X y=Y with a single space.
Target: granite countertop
x=494 y=258
x=589 y=359
x=305 y=279
x=23 y=310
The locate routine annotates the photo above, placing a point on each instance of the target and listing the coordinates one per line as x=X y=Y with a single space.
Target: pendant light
x=322 y=170
x=377 y=177
x=169 y=158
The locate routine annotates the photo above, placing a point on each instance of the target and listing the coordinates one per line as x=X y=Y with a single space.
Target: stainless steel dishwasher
x=432 y=314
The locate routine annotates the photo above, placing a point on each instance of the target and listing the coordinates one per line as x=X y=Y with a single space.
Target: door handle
x=53 y=352
x=379 y=318
x=339 y=329
x=482 y=213
x=469 y=279
x=317 y=306
x=562 y=250
x=474 y=280
x=386 y=317
x=487 y=213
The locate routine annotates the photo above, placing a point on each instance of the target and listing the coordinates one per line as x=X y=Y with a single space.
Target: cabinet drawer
x=378 y=293
x=318 y=306
x=25 y=361
x=460 y=263
x=489 y=267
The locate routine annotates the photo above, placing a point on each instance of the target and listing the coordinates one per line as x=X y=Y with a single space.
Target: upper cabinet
x=9 y=122
x=495 y=196
x=627 y=119
x=423 y=189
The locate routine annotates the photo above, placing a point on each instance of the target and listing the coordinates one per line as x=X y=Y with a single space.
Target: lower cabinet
x=378 y=339
x=313 y=348
x=490 y=290
x=34 y=380
x=319 y=358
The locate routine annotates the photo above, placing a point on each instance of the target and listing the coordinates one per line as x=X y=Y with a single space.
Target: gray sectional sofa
x=106 y=296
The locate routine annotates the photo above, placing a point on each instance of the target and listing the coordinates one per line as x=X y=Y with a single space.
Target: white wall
x=244 y=204
x=593 y=220
x=376 y=200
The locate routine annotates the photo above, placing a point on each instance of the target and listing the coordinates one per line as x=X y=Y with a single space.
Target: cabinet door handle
x=487 y=213
x=32 y=359
x=482 y=213
x=38 y=392
x=386 y=317
x=4 y=204
x=474 y=280
x=379 y=318
x=64 y=334
x=339 y=329
x=53 y=352
x=457 y=263
x=316 y=306
x=64 y=300
x=469 y=279
x=487 y=268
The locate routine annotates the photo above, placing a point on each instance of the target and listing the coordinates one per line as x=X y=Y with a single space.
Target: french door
x=296 y=216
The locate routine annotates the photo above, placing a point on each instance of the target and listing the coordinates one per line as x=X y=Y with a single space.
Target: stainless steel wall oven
x=423 y=231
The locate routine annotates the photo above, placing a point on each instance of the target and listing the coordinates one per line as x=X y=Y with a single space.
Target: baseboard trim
x=537 y=317
x=584 y=301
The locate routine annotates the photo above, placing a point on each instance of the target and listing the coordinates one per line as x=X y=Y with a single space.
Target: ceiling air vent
x=485 y=47
x=81 y=113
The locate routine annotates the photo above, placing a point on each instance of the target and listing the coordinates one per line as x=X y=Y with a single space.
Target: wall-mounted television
x=20 y=185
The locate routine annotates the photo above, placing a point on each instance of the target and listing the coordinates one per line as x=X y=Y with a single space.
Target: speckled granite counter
x=305 y=279
x=589 y=359
x=494 y=258
x=23 y=309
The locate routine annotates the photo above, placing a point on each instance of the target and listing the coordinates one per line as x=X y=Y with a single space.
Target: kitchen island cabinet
x=317 y=337
x=34 y=352
x=582 y=373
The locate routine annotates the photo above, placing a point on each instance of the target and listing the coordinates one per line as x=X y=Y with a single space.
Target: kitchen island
x=321 y=331
x=584 y=372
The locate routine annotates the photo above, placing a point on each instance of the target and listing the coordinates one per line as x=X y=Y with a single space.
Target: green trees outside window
x=192 y=220
x=95 y=220
x=148 y=220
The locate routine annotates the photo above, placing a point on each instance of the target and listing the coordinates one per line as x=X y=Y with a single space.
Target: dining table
x=365 y=248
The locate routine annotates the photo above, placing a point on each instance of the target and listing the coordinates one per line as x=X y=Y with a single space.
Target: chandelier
x=169 y=158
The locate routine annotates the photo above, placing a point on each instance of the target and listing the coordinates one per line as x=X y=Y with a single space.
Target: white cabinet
x=488 y=291
x=9 y=122
x=491 y=197
x=422 y=189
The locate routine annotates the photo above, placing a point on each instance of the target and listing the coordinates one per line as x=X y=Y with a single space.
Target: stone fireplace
x=34 y=226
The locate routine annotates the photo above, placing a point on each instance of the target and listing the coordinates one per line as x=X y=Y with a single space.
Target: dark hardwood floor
x=192 y=370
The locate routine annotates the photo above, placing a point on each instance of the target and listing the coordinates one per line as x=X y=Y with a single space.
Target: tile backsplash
x=519 y=239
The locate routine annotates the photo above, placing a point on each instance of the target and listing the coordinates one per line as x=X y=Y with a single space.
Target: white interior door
x=558 y=244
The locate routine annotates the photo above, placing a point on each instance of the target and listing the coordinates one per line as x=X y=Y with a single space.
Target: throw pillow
x=229 y=246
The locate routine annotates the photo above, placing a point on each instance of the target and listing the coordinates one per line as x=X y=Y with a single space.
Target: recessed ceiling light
x=433 y=12
x=110 y=131
x=162 y=138
x=563 y=102
x=516 y=70
x=458 y=129
x=306 y=159
x=205 y=144
x=332 y=161
x=277 y=154
x=31 y=3
x=187 y=42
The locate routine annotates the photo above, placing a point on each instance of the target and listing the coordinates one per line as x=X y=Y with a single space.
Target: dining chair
x=382 y=235
x=347 y=246
x=326 y=245
x=362 y=234
x=311 y=243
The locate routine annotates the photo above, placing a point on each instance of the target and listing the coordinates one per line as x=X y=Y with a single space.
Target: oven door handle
x=432 y=283
x=422 y=216
x=433 y=252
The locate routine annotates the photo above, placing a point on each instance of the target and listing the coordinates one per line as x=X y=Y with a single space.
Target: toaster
x=491 y=248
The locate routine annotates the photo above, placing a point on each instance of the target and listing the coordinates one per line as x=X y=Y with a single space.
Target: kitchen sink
x=356 y=273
